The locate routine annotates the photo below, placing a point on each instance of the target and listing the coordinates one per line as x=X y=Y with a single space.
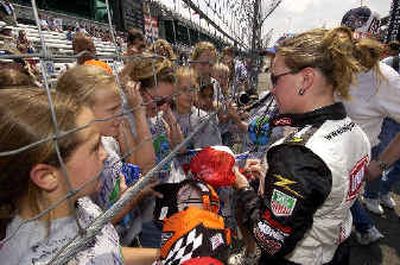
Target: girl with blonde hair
x=188 y=116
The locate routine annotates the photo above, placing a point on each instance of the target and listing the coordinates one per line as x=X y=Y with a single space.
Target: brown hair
x=202 y=47
x=25 y=119
x=12 y=78
x=321 y=49
x=81 y=82
x=149 y=69
x=228 y=51
x=81 y=43
x=134 y=35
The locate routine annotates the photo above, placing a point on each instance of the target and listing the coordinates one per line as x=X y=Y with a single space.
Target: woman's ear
x=308 y=78
x=46 y=177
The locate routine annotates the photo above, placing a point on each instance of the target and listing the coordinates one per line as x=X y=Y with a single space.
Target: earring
x=300 y=91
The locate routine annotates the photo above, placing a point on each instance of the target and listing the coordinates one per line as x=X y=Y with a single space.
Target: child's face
x=158 y=98
x=204 y=63
x=86 y=161
x=205 y=99
x=186 y=93
x=222 y=77
x=107 y=104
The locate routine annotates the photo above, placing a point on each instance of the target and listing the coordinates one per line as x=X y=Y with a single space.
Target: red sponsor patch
x=282 y=122
x=357 y=178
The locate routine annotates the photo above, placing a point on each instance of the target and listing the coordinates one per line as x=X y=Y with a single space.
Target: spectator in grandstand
x=393 y=59
x=44 y=24
x=12 y=78
x=163 y=48
x=42 y=183
x=188 y=116
x=55 y=24
x=23 y=44
x=304 y=215
x=238 y=72
x=136 y=42
x=7 y=13
x=156 y=76
x=374 y=97
x=70 y=33
x=84 y=46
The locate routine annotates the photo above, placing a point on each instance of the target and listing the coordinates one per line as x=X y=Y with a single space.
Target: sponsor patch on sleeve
x=356 y=178
x=282 y=204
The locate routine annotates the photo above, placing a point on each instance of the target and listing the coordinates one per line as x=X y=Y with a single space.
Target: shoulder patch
x=282 y=204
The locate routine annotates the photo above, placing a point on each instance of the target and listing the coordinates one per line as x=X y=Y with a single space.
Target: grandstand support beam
x=258 y=20
x=255 y=44
x=211 y=22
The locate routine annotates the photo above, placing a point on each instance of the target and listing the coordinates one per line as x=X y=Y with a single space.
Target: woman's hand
x=373 y=171
x=255 y=169
x=241 y=181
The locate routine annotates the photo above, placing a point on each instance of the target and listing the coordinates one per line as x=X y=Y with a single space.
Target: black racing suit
x=296 y=185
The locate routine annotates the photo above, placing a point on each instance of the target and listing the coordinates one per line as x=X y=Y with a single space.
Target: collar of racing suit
x=335 y=111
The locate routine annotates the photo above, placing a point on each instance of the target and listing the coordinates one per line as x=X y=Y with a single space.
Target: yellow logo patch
x=285 y=183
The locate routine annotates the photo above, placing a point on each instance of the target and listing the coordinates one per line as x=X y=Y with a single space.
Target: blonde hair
x=186 y=72
x=323 y=50
x=368 y=53
x=222 y=68
x=148 y=69
x=81 y=83
x=202 y=47
x=160 y=43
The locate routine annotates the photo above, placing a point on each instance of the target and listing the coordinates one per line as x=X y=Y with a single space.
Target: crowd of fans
x=274 y=178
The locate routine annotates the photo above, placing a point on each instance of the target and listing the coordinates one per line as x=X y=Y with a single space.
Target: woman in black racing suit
x=315 y=173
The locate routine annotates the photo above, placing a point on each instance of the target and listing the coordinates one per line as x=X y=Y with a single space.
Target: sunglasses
x=275 y=78
x=160 y=101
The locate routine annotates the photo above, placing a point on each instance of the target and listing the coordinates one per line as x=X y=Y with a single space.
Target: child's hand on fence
x=149 y=191
x=169 y=116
